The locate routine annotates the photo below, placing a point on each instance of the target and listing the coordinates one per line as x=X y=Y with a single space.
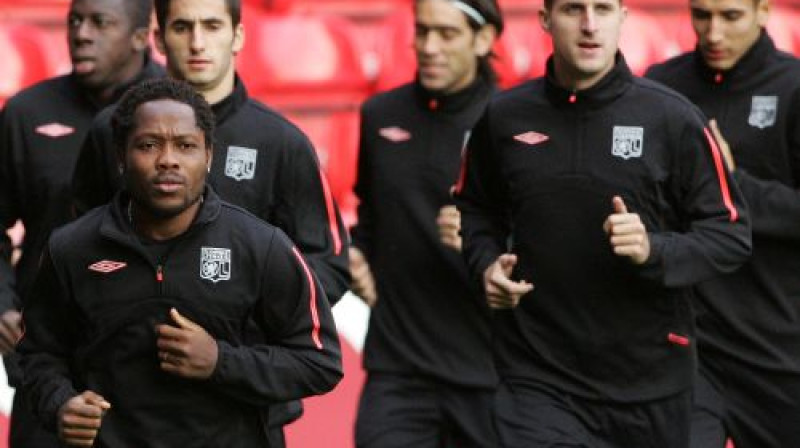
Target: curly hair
x=123 y=121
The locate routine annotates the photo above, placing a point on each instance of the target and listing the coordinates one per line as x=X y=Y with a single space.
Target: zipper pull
x=718 y=78
x=573 y=97
x=160 y=273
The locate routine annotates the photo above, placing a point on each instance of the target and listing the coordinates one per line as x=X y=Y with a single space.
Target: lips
x=168 y=183
x=198 y=64
x=83 y=65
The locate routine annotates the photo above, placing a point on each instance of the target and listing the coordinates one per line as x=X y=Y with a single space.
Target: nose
x=589 y=22
x=198 y=39
x=83 y=31
x=167 y=159
x=430 y=43
x=715 y=31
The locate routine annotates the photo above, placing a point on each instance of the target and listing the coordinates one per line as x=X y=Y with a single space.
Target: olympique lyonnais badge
x=628 y=142
x=241 y=162
x=763 y=112
x=215 y=264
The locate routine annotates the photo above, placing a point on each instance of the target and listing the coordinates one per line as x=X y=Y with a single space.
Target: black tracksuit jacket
x=90 y=324
x=430 y=319
x=752 y=315
x=41 y=132
x=542 y=167
x=262 y=163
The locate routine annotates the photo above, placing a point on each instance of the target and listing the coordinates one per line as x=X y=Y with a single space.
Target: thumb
x=182 y=321
x=94 y=399
x=619 y=205
x=507 y=263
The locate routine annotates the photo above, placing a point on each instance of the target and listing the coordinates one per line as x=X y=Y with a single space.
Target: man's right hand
x=10 y=331
x=363 y=284
x=80 y=417
x=501 y=291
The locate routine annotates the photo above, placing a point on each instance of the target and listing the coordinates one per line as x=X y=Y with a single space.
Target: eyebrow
x=191 y=22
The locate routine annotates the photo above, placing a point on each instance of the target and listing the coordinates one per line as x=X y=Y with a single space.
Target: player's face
x=200 y=42
x=103 y=46
x=585 y=36
x=727 y=29
x=166 y=159
x=447 y=48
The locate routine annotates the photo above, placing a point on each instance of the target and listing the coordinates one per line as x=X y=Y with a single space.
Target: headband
x=470 y=11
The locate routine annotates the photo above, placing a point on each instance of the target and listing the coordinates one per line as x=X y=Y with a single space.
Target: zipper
x=160 y=278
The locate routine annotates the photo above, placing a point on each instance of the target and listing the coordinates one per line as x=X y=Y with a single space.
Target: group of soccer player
x=589 y=259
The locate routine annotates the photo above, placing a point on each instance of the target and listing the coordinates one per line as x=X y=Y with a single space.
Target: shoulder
x=80 y=232
x=672 y=69
x=529 y=93
x=648 y=91
x=54 y=91
x=389 y=100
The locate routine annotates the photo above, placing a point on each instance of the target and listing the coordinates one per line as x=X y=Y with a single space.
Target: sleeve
x=482 y=198
x=715 y=235
x=96 y=177
x=302 y=356
x=9 y=208
x=775 y=206
x=362 y=231
x=307 y=212
x=51 y=326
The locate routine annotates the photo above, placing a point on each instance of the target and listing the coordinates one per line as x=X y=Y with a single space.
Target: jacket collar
x=116 y=221
x=231 y=103
x=609 y=88
x=752 y=62
x=476 y=93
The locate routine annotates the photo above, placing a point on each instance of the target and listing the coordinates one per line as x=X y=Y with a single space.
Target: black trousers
x=534 y=415
x=399 y=411
x=755 y=408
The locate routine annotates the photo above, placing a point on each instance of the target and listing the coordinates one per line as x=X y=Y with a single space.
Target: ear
x=159 y=41
x=544 y=19
x=238 y=38
x=484 y=40
x=762 y=12
x=139 y=39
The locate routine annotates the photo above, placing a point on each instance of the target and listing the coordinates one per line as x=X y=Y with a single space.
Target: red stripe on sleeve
x=462 y=174
x=723 y=180
x=313 y=303
x=332 y=222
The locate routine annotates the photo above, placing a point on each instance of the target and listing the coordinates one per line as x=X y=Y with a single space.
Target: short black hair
x=162 y=9
x=139 y=12
x=123 y=121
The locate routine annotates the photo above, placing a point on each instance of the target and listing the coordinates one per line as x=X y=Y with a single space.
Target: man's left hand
x=186 y=349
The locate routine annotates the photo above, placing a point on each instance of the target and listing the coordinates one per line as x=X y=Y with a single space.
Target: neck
x=103 y=96
x=217 y=93
x=571 y=79
x=160 y=228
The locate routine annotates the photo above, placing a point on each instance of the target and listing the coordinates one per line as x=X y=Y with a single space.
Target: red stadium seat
x=24 y=59
x=676 y=27
x=397 y=62
x=784 y=27
x=643 y=41
x=40 y=12
x=308 y=68
x=529 y=43
x=355 y=9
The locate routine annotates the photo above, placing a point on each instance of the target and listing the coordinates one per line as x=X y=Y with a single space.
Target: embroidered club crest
x=531 y=138
x=55 y=130
x=215 y=264
x=395 y=134
x=241 y=162
x=763 y=111
x=628 y=141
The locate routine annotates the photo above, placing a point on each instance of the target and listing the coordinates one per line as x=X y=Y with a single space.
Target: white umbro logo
x=531 y=138
x=107 y=266
x=395 y=134
x=55 y=130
